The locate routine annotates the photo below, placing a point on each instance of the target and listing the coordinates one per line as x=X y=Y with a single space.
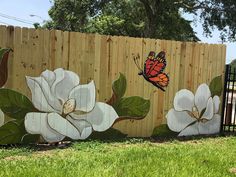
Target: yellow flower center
x=195 y=114
x=69 y=106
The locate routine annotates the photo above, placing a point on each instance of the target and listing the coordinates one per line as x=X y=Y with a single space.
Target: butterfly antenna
x=136 y=62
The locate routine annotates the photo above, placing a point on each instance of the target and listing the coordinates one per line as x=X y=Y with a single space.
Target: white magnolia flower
x=193 y=115
x=1 y=118
x=59 y=96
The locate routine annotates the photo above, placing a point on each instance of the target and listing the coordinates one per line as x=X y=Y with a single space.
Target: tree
x=144 y=18
x=215 y=14
x=130 y=18
x=118 y=17
x=73 y=15
x=221 y=14
x=233 y=64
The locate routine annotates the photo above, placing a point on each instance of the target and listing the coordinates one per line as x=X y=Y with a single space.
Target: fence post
x=227 y=69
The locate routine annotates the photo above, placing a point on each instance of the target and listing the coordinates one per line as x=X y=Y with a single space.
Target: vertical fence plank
x=104 y=60
x=155 y=95
x=171 y=62
x=200 y=68
x=166 y=46
x=196 y=59
x=131 y=91
x=45 y=50
x=205 y=63
x=188 y=66
x=109 y=68
x=75 y=46
x=182 y=65
x=9 y=42
x=97 y=64
x=147 y=47
x=3 y=36
x=121 y=67
x=16 y=68
x=138 y=79
x=150 y=95
x=210 y=63
x=65 y=49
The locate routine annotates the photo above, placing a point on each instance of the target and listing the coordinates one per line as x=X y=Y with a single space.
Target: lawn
x=132 y=157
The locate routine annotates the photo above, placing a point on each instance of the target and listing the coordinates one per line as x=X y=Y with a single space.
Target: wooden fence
x=101 y=58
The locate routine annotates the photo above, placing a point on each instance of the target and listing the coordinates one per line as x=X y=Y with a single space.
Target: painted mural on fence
x=153 y=69
x=62 y=107
x=195 y=114
x=4 y=53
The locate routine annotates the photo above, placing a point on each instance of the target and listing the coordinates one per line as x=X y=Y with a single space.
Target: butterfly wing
x=161 y=56
x=154 y=66
x=151 y=55
x=161 y=79
x=153 y=70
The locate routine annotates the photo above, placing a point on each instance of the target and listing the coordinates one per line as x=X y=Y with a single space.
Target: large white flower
x=193 y=115
x=59 y=97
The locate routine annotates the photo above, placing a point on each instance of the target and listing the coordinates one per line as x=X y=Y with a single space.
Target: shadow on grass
x=162 y=139
x=98 y=141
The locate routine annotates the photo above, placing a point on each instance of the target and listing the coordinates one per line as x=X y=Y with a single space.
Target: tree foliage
x=233 y=64
x=144 y=18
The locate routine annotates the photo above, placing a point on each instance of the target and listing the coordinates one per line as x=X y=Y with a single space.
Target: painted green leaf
x=29 y=138
x=4 y=53
x=132 y=107
x=164 y=131
x=12 y=132
x=119 y=86
x=110 y=134
x=216 y=86
x=14 y=104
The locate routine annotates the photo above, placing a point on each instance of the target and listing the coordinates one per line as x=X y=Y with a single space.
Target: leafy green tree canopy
x=144 y=18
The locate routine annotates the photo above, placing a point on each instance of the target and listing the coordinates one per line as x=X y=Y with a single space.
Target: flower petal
x=64 y=83
x=83 y=126
x=1 y=118
x=184 y=100
x=177 y=121
x=49 y=76
x=50 y=97
x=209 y=112
x=202 y=95
x=84 y=96
x=190 y=130
x=63 y=126
x=39 y=98
x=101 y=117
x=216 y=102
x=210 y=127
x=36 y=123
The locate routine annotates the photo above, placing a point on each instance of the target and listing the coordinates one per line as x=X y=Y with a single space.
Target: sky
x=31 y=11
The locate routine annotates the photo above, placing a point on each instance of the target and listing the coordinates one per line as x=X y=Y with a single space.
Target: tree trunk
x=152 y=24
x=151 y=10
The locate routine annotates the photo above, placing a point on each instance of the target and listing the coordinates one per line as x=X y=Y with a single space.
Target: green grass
x=135 y=157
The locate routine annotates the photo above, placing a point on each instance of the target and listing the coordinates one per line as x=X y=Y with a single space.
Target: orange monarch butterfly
x=153 y=69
